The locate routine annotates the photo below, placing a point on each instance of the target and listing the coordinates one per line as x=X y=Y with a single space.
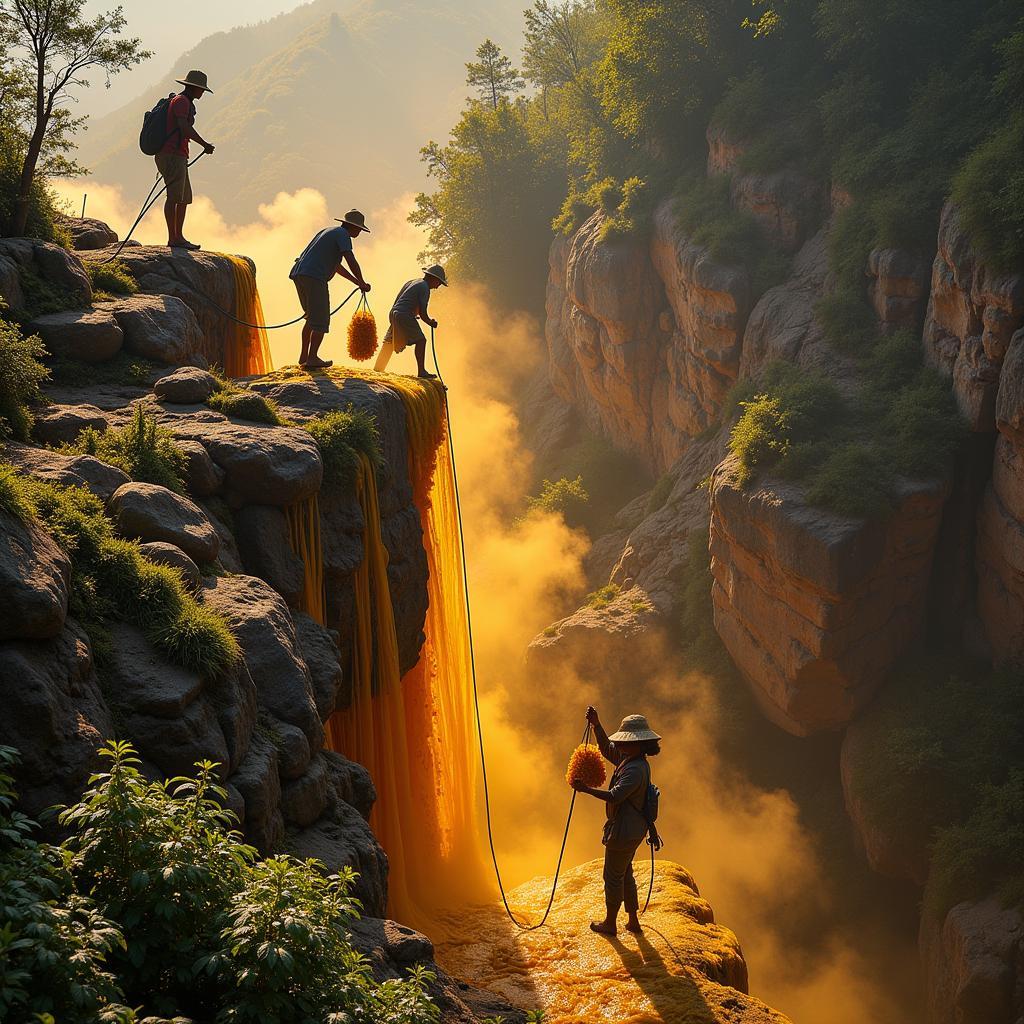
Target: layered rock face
x=813 y=608
x=973 y=334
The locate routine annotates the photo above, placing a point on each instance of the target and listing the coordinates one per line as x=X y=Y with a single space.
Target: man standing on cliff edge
x=317 y=264
x=172 y=160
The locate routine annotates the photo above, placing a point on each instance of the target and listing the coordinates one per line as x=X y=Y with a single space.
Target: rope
x=147 y=205
x=476 y=700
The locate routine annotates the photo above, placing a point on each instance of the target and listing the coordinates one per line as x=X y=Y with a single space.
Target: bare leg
x=171 y=216
x=306 y=332
x=387 y=350
x=313 y=360
x=179 y=221
x=421 y=361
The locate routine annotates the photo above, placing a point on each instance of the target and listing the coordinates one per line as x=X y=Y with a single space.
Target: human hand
x=364 y=287
x=580 y=787
x=592 y=716
x=433 y=323
x=655 y=841
x=208 y=148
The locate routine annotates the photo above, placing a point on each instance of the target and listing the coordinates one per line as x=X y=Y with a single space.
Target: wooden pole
x=85 y=196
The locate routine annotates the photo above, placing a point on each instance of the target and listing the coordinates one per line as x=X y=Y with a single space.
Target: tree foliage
x=492 y=76
x=50 y=48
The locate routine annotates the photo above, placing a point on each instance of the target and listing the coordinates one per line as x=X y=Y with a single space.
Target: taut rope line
x=147 y=205
x=476 y=700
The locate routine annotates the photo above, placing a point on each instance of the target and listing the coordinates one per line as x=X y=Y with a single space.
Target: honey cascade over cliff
x=246 y=349
x=416 y=734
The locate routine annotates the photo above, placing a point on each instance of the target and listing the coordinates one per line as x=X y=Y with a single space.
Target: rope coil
x=476 y=703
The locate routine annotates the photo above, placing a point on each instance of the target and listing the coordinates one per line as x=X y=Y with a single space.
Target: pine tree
x=492 y=76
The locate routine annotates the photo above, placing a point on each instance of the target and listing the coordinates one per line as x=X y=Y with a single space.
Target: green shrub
x=603 y=596
x=564 y=497
x=854 y=480
x=123 y=368
x=114 y=277
x=697 y=636
x=989 y=188
x=848 y=321
x=43 y=296
x=21 y=373
x=659 y=494
x=112 y=580
x=939 y=754
x=55 y=945
x=244 y=404
x=342 y=436
x=143 y=449
x=43 y=215
x=981 y=855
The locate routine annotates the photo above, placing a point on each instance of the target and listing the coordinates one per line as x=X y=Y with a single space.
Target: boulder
x=61 y=424
x=90 y=335
x=260 y=621
x=261 y=532
x=35 y=576
x=203 y=477
x=262 y=464
x=814 y=608
x=691 y=969
x=151 y=512
x=303 y=799
x=63 y=270
x=67 y=470
x=188 y=385
x=88 y=233
x=170 y=554
x=157 y=327
x=54 y=713
x=293 y=753
x=318 y=648
x=220 y=515
x=973 y=964
x=340 y=839
x=142 y=682
x=256 y=779
x=351 y=782
x=401 y=944
x=898 y=288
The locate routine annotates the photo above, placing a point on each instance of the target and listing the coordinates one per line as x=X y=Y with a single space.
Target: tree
x=54 y=47
x=562 y=39
x=492 y=75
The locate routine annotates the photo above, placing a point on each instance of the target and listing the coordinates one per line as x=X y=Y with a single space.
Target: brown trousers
x=619 y=883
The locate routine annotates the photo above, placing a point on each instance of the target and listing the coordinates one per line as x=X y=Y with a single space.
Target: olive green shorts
x=316 y=301
x=173 y=167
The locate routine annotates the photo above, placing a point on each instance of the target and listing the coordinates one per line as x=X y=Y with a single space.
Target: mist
x=754 y=861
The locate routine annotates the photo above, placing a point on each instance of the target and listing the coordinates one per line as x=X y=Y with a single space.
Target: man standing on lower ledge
x=319 y=262
x=172 y=160
x=411 y=306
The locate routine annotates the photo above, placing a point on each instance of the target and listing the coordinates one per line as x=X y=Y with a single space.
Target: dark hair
x=651 y=748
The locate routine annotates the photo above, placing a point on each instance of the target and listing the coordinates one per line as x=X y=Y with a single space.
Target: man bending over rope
x=172 y=160
x=319 y=262
x=411 y=306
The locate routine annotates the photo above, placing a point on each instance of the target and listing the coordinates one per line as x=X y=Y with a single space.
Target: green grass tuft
x=244 y=404
x=143 y=449
x=112 y=278
x=341 y=436
x=603 y=596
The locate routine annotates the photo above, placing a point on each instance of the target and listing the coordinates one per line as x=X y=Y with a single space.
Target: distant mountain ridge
x=337 y=95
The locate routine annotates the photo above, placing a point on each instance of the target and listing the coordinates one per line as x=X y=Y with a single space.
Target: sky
x=169 y=29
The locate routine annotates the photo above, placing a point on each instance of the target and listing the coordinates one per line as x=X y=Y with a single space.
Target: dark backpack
x=154 y=132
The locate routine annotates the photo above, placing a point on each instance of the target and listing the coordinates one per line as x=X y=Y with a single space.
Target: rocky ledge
x=683 y=967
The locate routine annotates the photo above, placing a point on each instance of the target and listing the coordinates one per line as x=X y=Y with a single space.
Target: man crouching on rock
x=319 y=262
x=410 y=307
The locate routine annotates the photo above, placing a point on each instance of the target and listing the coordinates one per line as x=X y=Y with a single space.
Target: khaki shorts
x=174 y=169
x=404 y=330
x=316 y=301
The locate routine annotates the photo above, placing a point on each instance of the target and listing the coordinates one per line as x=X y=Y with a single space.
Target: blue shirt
x=321 y=257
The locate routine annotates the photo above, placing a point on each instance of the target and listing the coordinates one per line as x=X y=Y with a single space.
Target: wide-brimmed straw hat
x=354 y=219
x=436 y=270
x=196 y=78
x=634 y=729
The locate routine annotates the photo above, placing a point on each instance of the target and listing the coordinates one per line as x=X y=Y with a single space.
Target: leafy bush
x=123 y=368
x=114 y=277
x=54 y=942
x=941 y=751
x=564 y=497
x=111 y=579
x=21 y=373
x=143 y=449
x=659 y=494
x=342 y=436
x=154 y=900
x=43 y=215
x=603 y=596
x=244 y=404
